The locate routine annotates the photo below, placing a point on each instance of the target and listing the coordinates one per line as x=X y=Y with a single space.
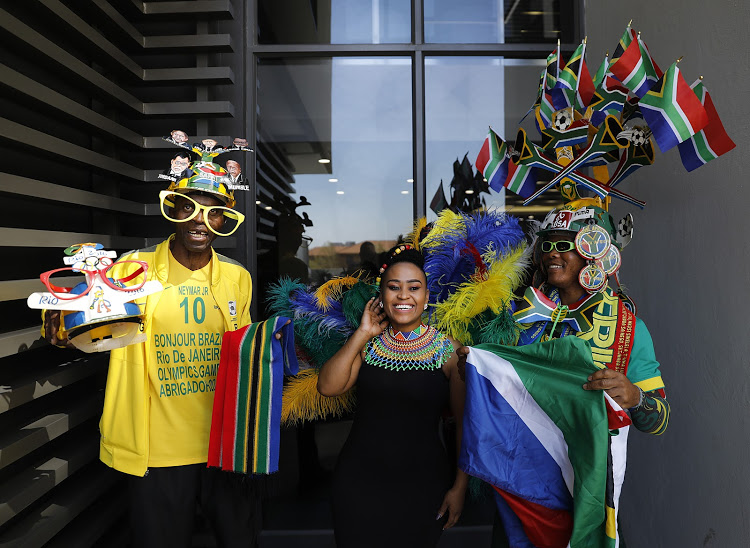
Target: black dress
x=393 y=471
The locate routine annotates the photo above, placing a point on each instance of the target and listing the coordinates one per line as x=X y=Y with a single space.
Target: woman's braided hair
x=402 y=253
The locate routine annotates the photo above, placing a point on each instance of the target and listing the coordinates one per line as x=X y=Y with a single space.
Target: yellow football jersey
x=184 y=348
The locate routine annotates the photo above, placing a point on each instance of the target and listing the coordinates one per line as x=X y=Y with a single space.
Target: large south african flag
x=543 y=443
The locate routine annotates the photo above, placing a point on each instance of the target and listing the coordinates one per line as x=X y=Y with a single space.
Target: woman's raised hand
x=373 y=320
x=340 y=372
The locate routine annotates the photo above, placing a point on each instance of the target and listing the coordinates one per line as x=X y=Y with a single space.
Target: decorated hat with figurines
x=204 y=174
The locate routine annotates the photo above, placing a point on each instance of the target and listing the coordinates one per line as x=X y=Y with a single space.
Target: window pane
x=499 y=21
x=334 y=22
x=463 y=96
x=356 y=113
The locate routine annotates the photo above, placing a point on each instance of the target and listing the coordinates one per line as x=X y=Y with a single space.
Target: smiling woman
x=393 y=476
x=403 y=296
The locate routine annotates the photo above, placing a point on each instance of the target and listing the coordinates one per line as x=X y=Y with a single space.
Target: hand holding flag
x=616 y=385
x=533 y=433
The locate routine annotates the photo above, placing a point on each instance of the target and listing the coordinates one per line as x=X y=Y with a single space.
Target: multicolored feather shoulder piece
x=281 y=295
x=302 y=402
x=333 y=289
x=306 y=308
x=488 y=292
x=447 y=222
x=458 y=251
x=323 y=320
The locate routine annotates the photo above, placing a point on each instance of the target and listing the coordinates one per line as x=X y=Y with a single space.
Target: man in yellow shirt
x=157 y=411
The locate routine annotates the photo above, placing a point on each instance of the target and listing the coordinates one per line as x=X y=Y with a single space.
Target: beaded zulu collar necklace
x=423 y=348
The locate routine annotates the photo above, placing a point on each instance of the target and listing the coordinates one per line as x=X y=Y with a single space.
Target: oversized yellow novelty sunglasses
x=222 y=221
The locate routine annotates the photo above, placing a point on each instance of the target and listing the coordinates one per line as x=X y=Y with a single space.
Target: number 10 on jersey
x=198 y=309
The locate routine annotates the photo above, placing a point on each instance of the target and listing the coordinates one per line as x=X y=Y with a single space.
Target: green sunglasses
x=561 y=247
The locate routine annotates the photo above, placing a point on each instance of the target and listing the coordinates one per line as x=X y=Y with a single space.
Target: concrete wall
x=687 y=269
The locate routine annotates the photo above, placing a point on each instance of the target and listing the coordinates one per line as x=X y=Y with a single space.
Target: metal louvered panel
x=87 y=89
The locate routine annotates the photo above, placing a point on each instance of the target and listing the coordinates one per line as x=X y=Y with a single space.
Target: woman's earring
x=425 y=306
x=381 y=304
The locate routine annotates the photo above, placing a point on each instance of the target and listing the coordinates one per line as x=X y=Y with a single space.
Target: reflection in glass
x=355 y=112
x=498 y=21
x=463 y=95
x=334 y=22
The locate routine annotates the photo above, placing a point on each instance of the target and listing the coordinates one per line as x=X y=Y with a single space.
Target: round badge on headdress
x=593 y=242
x=592 y=278
x=611 y=262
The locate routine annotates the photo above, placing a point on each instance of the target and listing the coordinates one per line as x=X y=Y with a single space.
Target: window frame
x=417 y=50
